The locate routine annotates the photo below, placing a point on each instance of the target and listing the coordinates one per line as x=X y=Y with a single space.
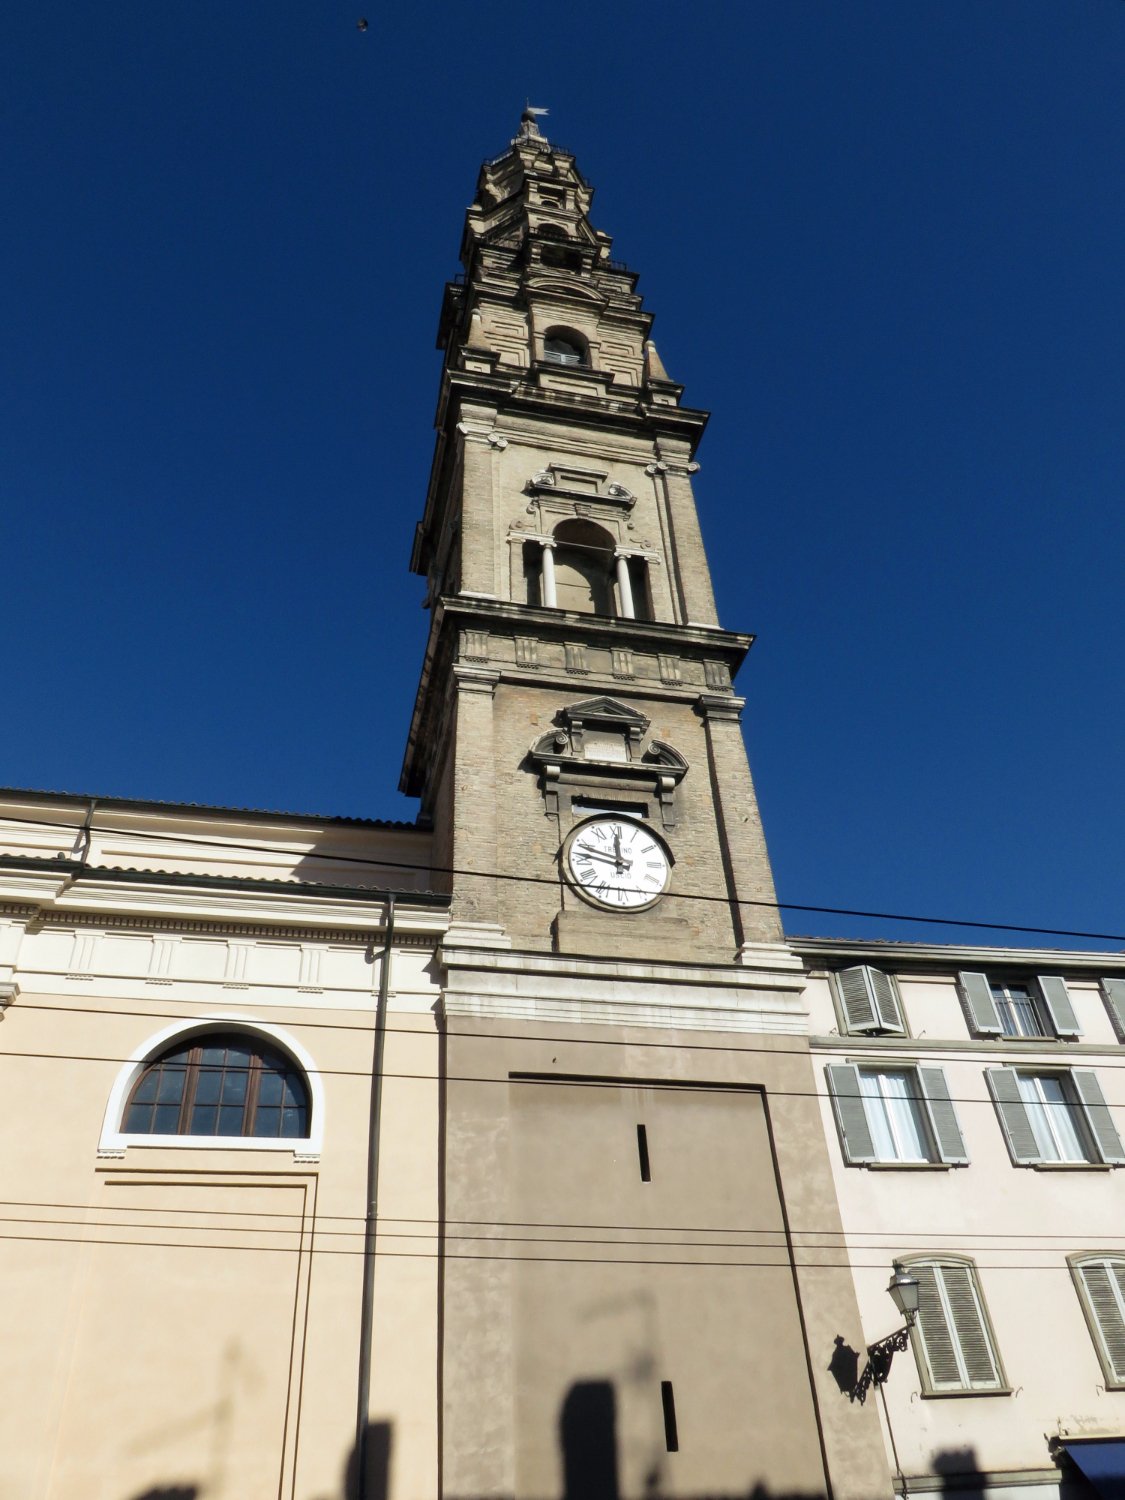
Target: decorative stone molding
x=9 y=994
x=527 y=651
x=496 y=440
x=670 y=669
x=716 y=674
x=474 y=645
x=583 y=486
x=726 y=708
x=471 y=679
x=622 y=662
x=576 y=659
x=601 y=745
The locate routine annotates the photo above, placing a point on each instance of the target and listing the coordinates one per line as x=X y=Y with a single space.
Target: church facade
x=492 y=1155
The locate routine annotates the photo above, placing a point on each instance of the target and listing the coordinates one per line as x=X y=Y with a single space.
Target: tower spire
x=529 y=125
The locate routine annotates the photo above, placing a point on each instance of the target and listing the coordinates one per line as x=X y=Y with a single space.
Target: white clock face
x=618 y=864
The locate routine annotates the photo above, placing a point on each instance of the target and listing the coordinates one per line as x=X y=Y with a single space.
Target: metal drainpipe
x=363 y=1399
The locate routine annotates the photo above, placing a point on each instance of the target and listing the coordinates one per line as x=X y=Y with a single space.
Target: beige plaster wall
x=592 y=1286
x=190 y=1314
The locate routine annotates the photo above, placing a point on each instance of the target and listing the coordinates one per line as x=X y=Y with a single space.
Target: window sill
x=114 y=1148
x=1070 y=1166
x=1003 y=1390
x=908 y=1166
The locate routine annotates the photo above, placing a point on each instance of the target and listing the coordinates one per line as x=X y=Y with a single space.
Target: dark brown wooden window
x=220 y=1083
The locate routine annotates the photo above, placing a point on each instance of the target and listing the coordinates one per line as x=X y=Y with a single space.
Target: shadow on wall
x=171 y=1492
x=962 y=1478
x=589 y=1451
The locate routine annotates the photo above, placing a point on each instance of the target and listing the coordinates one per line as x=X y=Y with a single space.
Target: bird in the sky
x=361 y=24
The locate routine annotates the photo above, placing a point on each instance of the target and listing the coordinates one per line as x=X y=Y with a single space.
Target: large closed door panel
x=654 y=1315
x=185 y=1366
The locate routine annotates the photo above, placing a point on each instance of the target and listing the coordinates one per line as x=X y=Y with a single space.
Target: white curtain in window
x=894 y=1114
x=1052 y=1118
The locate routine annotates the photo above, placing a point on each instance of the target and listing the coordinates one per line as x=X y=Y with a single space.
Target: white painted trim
x=113 y=1140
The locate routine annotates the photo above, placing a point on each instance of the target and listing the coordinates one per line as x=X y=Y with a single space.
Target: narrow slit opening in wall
x=642 y=1153
x=668 y=1400
x=582 y=806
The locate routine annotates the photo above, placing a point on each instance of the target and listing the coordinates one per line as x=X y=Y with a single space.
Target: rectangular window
x=953 y=1342
x=869 y=1001
x=897 y=1113
x=1101 y=1286
x=1036 y=1005
x=1015 y=1006
x=1054 y=1117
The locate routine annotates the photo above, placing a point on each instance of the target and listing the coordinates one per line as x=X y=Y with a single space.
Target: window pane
x=239 y=1055
x=213 y=1056
x=234 y=1086
x=166 y=1120
x=138 y=1121
x=894 y=1114
x=231 y=1117
x=904 y=1113
x=203 y=1120
x=170 y=1089
x=1037 y=1115
x=270 y=1088
x=293 y=1121
x=1060 y=1116
x=267 y=1120
x=207 y=1085
x=146 y=1090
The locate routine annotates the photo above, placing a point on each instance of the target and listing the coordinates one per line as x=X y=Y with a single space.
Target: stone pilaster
x=746 y=861
x=475 y=910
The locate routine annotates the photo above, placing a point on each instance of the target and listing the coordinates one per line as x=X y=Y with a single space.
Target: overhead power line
x=554 y=881
x=565 y=1080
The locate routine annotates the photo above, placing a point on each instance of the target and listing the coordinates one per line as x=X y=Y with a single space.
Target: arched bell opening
x=563 y=346
x=584 y=568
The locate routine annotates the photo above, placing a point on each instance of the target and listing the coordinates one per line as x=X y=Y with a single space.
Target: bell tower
x=576 y=736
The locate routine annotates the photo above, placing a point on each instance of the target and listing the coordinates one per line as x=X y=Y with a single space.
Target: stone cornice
x=944 y=958
x=543 y=987
x=718 y=653
x=68 y=890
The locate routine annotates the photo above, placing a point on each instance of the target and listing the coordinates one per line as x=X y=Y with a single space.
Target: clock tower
x=576 y=676
x=621 y=1024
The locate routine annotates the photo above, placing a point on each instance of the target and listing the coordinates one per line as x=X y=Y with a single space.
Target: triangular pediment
x=604 y=711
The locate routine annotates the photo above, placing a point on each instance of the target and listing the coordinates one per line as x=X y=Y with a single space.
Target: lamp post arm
x=879 y=1357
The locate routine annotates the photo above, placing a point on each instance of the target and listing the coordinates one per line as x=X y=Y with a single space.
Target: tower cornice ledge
x=715 y=649
x=622 y=409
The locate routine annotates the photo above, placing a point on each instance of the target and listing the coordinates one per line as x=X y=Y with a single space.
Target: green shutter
x=943 y=1117
x=1005 y=1090
x=1055 y=998
x=886 y=1000
x=1114 y=992
x=934 y=1333
x=1098 y=1116
x=1094 y=1276
x=970 y=1328
x=980 y=1007
x=851 y=1117
x=858 y=1002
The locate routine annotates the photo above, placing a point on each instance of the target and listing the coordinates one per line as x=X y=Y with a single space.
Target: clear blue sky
x=883 y=242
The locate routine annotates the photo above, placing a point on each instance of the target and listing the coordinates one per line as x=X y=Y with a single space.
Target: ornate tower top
x=570 y=593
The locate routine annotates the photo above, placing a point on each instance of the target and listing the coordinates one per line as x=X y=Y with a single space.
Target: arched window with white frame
x=224 y=1081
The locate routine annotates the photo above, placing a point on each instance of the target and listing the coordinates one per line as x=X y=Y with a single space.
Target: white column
x=550 y=597
x=625 y=587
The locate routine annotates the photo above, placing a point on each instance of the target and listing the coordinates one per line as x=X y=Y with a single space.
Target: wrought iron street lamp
x=903 y=1290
